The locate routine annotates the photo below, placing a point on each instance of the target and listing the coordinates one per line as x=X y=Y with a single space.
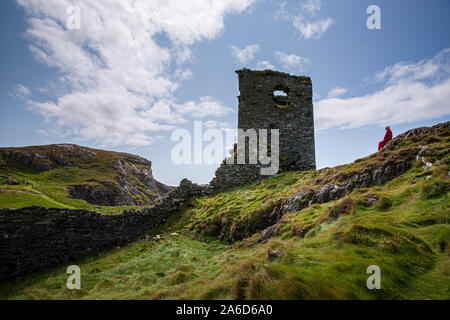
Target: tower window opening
x=280 y=96
x=280 y=93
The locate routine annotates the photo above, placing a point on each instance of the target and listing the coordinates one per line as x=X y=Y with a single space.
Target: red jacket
x=387 y=136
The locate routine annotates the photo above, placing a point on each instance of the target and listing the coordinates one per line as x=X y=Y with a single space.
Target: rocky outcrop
x=417 y=134
x=34 y=161
x=390 y=163
x=394 y=165
x=134 y=185
x=104 y=194
x=131 y=182
x=11 y=182
x=135 y=179
x=324 y=191
x=297 y=202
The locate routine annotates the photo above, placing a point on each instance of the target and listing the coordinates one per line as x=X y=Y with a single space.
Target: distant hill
x=61 y=175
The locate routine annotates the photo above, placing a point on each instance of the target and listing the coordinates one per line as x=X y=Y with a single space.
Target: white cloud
x=312 y=30
x=183 y=55
x=207 y=106
x=305 y=20
x=281 y=13
x=337 y=92
x=188 y=21
x=117 y=81
x=265 y=65
x=20 y=92
x=183 y=74
x=292 y=62
x=244 y=55
x=438 y=67
x=312 y=6
x=413 y=92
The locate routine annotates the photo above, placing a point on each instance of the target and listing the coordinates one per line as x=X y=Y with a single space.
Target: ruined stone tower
x=291 y=113
x=261 y=107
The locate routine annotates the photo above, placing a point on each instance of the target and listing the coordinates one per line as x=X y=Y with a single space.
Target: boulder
x=11 y=182
x=327 y=193
x=273 y=254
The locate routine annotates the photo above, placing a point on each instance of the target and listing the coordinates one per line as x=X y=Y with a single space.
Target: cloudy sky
x=135 y=70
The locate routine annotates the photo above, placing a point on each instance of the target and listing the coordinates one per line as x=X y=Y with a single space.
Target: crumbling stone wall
x=260 y=108
x=229 y=176
x=35 y=238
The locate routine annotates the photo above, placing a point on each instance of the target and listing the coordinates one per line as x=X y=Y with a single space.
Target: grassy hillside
x=44 y=174
x=20 y=196
x=408 y=238
x=405 y=231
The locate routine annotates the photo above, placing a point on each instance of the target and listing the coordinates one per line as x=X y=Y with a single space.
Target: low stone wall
x=233 y=175
x=35 y=238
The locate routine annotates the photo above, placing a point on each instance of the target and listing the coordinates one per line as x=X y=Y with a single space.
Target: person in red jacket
x=387 y=137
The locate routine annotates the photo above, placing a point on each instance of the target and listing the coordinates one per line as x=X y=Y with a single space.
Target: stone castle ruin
x=273 y=100
x=36 y=238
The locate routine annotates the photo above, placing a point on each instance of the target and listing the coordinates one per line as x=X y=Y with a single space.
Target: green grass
x=47 y=188
x=409 y=240
x=325 y=248
x=239 y=204
x=15 y=197
x=166 y=264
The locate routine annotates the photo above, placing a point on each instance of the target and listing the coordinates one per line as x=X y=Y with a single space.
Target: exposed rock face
x=45 y=158
x=390 y=164
x=297 y=202
x=134 y=185
x=324 y=191
x=141 y=171
x=108 y=194
x=131 y=181
x=34 y=161
x=394 y=165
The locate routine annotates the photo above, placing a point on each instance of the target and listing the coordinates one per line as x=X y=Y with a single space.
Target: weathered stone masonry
x=35 y=238
x=260 y=108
